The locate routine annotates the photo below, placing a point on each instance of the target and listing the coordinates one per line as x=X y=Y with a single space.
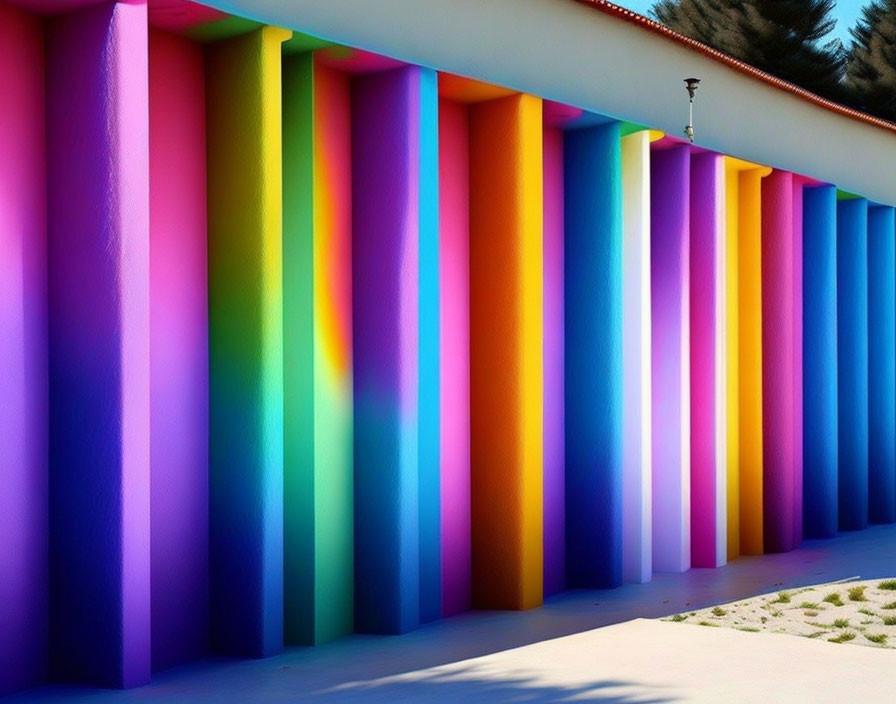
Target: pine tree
x=871 y=66
x=781 y=37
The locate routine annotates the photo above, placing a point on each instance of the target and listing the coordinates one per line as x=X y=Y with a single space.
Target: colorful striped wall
x=299 y=340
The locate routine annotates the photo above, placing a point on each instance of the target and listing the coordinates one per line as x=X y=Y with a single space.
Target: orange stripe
x=506 y=342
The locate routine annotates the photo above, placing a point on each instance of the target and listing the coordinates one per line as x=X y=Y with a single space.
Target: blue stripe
x=820 y=446
x=429 y=477
x=593 y=355
x=882 y=364
x=852 y=361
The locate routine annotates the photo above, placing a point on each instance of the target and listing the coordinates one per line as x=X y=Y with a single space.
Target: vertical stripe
x=23 y=353
x=732 y=366
x=454 y=355
x=593 y=299
x=779 y=370
x=179 y=350
x=506 y=359
x=669 y=273
x=882 y=365
x=385 y=261
x=243 y=108
x=318 y=480
x=820 y=446
x=554 y=460
x=852 y=361
x=428 y=401
x=98 y=236
x=797 y=233
x=637 y=557
x=749 y=280
x=707 y=517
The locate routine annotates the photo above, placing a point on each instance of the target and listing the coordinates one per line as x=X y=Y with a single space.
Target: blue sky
x=846 y=13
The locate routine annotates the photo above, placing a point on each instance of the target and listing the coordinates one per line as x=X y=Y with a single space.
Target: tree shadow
x=476 y=684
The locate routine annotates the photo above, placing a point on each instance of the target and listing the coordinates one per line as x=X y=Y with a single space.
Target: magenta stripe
x=454 y=355
x=554 y=455
x=705 y=228
x=797 y=268
x=778 y=371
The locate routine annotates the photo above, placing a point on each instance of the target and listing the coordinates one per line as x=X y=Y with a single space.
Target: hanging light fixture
x=691 y=85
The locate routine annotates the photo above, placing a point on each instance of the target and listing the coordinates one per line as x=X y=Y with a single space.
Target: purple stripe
x=385 y=222
x=179 y=300
x=554 y=455
x=98 y=239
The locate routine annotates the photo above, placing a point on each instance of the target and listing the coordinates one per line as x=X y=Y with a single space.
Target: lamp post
x=691 y=84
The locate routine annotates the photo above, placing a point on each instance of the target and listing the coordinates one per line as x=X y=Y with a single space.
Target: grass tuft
x=890 y=605
x=707 y=623
x=890 y=620
x=841 y=623
x=809 y=605
x=888 y=584
x=783 y=598
x=867 y=612
x=817 y=634
x=677 y=618
x=843 y=637
x=719 y=611
x=857 y=593
x=749 y=629
x=834 y=598
x=879 y=638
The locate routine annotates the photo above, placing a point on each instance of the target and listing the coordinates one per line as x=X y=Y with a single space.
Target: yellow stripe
x=750 y=359
x=531 y=295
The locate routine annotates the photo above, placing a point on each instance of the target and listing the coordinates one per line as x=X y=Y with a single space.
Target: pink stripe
x=454 y=352
x=705 y=217
x=797 y=268
x=554 y=494
x=778 y=372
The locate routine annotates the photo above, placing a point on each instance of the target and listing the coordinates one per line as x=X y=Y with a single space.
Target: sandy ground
x=854 y=612
x=649 y=661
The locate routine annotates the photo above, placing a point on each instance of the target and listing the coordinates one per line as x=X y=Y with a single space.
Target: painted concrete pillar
x=428 y=392
x=732 y=369
x=670 y=318
x=799 y=183
x=506 y=351
x=881 y=365
x=554 y=424
x=393 y=123
x=23 y=353
x=317 y=338
x=707 y=361
x=637 y=552
x=820 y=384
x=593 y=299
x=454 y=354
x=178 y=351
x=749 y=360
x=99 y=340
x=245 y=264
x=852 y=362
x=779 y=368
